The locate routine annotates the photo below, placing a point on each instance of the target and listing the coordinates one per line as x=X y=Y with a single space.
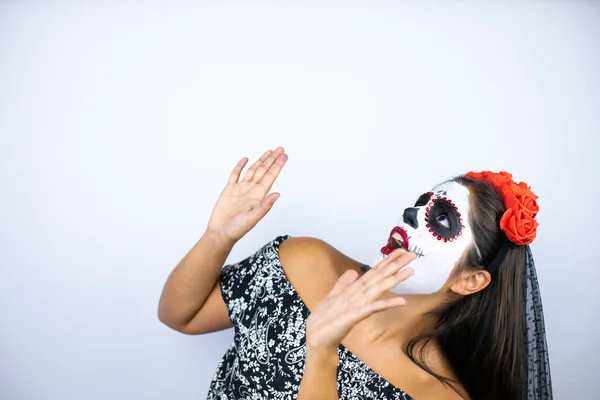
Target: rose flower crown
x=518 y=221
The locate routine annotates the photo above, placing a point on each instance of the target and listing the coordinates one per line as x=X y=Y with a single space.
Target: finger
x=250 y=173
x=390 y=276
x=378 y=306
x=383 y=266
x=237 y=170
x=388 y=283
x=266 y=164
x=393 y=267
x=343 y=282
x=272 y=173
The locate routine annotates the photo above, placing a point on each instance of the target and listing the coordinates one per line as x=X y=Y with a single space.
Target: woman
x=450 y=310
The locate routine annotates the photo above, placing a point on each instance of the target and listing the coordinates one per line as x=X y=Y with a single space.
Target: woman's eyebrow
x=424 y=198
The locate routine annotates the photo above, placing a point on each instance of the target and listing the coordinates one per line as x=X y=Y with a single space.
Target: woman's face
x=438 y=231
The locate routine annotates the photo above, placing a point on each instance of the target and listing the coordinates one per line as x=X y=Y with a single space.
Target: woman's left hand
x=352 y=300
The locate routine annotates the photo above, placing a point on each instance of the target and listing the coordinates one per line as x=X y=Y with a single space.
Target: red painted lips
x=398 y=238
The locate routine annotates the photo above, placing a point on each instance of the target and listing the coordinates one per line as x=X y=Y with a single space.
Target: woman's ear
x=471 y=281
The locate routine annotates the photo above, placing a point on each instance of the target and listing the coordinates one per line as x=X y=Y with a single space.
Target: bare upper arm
x=312 y=266
x=212 y=317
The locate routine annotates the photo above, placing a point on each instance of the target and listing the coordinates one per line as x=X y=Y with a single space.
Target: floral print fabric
x=266 y=359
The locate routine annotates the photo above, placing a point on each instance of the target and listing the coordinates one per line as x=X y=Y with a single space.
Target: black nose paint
x=410 y=217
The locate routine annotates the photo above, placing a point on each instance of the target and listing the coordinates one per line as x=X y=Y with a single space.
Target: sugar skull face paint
x=437 y=230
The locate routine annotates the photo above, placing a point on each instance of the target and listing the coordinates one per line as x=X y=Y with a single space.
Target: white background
x=120 y=122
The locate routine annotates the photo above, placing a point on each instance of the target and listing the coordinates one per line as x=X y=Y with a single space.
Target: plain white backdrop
x=120 y=121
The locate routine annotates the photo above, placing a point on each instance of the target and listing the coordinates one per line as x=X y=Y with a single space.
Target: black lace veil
x=539 y=383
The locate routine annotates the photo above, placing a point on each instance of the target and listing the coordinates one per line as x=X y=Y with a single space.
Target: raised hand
x=243 y=203
x=352 y=300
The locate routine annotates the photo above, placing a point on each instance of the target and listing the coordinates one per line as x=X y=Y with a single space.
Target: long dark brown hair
x=482 y=334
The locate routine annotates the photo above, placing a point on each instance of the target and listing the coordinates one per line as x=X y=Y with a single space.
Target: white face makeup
x=437 y=230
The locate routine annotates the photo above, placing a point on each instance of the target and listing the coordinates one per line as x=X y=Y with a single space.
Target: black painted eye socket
x=423 y=199
x=444 y=219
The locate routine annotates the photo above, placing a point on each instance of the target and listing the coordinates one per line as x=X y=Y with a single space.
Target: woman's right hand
x=243 y=203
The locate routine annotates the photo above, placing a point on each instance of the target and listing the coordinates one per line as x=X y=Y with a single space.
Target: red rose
x=523 y=190
x=529 y=206
x=501 y=179
x=519 y=224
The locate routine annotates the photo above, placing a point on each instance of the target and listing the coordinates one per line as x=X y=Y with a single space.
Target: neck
x=401 y=324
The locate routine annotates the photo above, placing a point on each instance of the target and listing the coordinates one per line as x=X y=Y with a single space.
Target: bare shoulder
x=312 y=266
x=316 y=252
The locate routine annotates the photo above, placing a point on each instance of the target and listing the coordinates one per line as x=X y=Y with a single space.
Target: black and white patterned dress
x=266 y=359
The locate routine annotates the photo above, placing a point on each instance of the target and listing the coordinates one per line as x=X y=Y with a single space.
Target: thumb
x=266 y=204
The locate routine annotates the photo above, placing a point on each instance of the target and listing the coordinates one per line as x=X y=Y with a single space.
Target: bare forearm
x=192 y=280
x=320 y=377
